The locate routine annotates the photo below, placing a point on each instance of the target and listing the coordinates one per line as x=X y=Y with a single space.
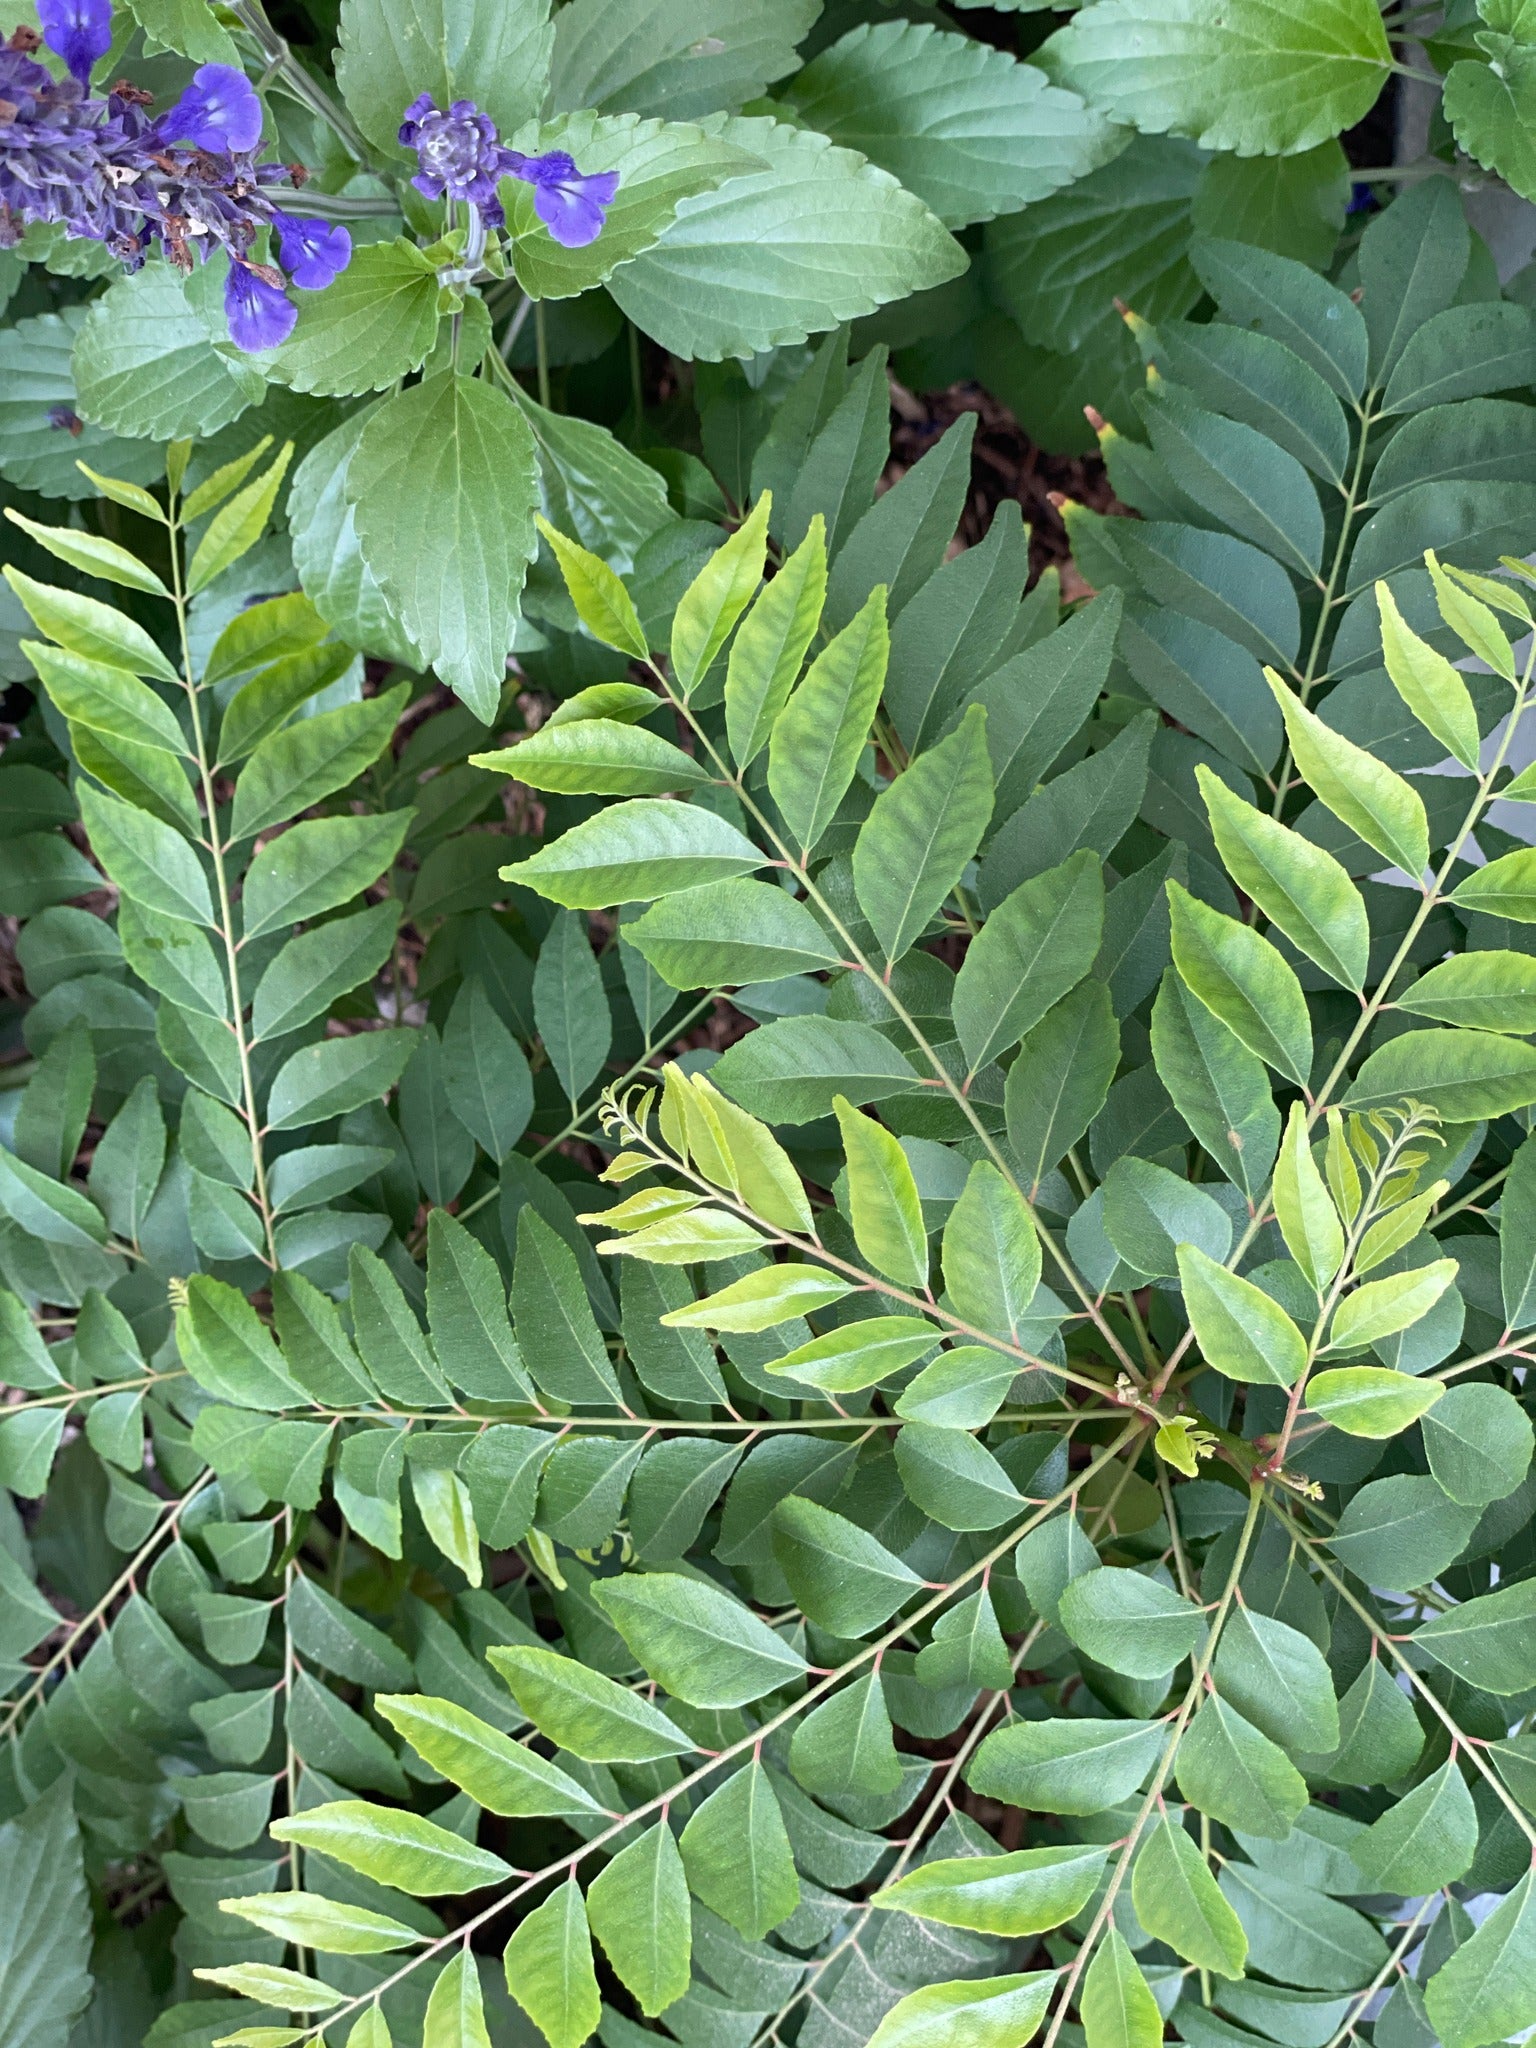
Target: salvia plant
x=754 y=1290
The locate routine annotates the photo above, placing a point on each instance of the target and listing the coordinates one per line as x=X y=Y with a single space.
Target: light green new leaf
x=1381 y=1308
x=1026 y=1892
x=310 y=1921
x=1241 y=977
x=977 y=2012
x=1304 y=1209
x=596 y=757
x=763 y=1299
x=817 y=739
x=1369 y=797
x=704 y=1647
x=858 y=1354
x=1241 y=1331
x=1434 y=692
x=237 y=526
x=991 y=1254
x=393 y=1847
x=1299 y=886
x=549 y=1969
x=1465 y=1075
x=632 y=852
x=913 y=847
x=87 y=627
x=455 y=2015
x=501 y=1775
x=602 y=603
x=767 y=652
x=584 y=1712
x=1503 y=888
x=717 y=597
x=1177 y=1900
x=271 y=1984
x=1368 y=1400
x=883 y=1203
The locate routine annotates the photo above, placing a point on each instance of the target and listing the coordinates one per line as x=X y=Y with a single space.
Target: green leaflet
x=817 y=738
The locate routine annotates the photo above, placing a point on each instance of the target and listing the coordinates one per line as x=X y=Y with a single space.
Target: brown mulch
x=1005 y=463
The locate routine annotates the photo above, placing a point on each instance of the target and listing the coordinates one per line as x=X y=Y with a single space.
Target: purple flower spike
x=219 y=111
x=313 y=252
x=260 y=313
x=572 y=206
x=79 y=31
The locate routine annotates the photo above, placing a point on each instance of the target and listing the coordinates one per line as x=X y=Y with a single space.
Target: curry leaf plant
x=823 y=1334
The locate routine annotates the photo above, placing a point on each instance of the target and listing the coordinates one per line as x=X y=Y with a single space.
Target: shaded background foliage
x=367 y=1454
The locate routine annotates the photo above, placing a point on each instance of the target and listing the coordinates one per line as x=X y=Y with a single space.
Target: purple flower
x=260 y=312
x=79 y=31
x=459 y=152
x=219 y=111
x=313 y=252
x=571 y=206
